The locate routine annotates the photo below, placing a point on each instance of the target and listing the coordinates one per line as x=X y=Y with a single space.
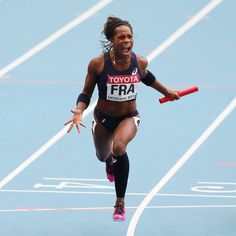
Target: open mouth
x=126 y=50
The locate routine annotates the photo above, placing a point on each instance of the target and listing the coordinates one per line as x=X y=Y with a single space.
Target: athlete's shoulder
x=142 y=63
x=96 y=64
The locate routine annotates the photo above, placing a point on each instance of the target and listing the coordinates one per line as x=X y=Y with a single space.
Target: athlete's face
x=122 y=40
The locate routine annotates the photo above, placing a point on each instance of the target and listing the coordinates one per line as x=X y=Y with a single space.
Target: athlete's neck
x=118 y=59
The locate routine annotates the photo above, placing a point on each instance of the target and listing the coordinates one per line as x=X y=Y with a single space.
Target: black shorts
x=110 y=122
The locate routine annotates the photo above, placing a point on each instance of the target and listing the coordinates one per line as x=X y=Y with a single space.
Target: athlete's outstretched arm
x=84 y=97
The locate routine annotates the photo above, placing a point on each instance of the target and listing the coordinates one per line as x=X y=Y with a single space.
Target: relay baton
x=181 y=93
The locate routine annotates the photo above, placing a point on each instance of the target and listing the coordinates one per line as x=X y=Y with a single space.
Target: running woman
x=117 y=74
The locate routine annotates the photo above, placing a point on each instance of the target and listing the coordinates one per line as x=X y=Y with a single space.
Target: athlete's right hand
x=75 y=121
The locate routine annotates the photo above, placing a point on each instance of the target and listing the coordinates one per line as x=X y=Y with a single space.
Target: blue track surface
x=63 y=191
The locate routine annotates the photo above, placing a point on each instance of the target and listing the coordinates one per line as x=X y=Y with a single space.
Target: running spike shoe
x=119 y=212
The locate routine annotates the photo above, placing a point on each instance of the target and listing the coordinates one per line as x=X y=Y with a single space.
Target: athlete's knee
x=119 y=148
x=101 y=156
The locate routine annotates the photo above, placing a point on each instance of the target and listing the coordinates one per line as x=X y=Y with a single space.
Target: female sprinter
x=117 y=73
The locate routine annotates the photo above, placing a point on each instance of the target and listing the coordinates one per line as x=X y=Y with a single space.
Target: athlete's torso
x=118 y=86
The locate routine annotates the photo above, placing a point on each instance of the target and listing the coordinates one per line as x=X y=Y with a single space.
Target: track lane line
x=223 y=115
x=169 y=195
x=96 y=209
x=41 y=150
x=183 y=29
x=90 y=12
x=187 y=26
x=62 y=132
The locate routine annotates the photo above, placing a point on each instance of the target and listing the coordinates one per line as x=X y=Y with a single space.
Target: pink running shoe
x=109 y=172
x=119 y=212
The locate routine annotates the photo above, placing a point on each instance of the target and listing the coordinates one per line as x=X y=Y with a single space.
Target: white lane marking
x=52 y=141
x=73 y=185
x=93 y=10
x=187 y=26
x=113 y=193
x=199 y=16
x=41 y=150
x=218 y=183
x=215 y=187
x=179 y=164
x=76 y=179
x=111 y=208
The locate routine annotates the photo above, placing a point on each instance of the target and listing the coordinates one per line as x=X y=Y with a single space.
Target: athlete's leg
x=123 y=134
x=103 y=143
x=102 y=140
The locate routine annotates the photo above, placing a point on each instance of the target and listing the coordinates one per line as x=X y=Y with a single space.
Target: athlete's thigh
x=102 y=140
x=126 y=130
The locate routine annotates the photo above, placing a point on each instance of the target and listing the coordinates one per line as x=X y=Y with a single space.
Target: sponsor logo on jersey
x=122 y=87
x=135 y=71
x=123 y=79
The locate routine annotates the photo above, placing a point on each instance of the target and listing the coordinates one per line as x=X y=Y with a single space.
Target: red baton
x=181 y=93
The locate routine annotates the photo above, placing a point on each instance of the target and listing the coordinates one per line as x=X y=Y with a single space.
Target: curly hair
x=108 y=31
